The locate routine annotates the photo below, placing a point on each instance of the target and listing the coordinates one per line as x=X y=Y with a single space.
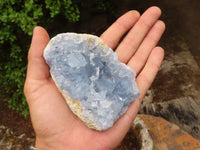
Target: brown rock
x=184 y=112
x=168 y=136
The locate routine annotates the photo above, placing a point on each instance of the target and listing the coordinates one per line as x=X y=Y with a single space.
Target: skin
x=55 y=125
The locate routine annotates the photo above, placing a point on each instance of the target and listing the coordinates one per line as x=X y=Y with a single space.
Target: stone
x=145 y=138
x=184 y=112
x=175 y=92
x=96 y=86
x=168 y=136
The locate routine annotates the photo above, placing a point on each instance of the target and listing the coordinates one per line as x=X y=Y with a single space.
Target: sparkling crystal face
x=97 y=87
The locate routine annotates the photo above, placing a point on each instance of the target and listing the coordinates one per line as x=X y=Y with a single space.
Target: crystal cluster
x=96 y=86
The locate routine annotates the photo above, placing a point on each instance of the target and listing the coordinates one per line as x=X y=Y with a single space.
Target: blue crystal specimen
x=86 y=70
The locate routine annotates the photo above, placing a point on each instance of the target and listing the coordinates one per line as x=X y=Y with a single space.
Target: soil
x=15 y=128
x=15 y=121
x=131 y=141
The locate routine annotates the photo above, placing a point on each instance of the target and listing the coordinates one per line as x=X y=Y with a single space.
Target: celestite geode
x=96 y=86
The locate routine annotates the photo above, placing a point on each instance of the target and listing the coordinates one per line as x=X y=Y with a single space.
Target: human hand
x=55 y=125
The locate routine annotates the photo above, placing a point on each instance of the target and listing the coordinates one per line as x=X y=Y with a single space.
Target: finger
x=114 y=33
x=139 y=59
x=147 y=75
x=37 y=67
x=136 y=35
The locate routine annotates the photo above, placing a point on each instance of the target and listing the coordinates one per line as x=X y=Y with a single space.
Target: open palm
x=55 y=125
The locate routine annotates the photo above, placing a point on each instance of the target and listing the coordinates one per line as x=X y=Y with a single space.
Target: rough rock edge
x=76 y=107
x=146 y=140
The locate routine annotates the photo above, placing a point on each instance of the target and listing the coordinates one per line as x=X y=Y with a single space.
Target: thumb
x=37 y=67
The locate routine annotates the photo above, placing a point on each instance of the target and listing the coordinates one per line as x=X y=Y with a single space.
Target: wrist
x=43 y=144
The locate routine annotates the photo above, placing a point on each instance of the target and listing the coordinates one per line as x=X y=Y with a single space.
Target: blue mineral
x=96 y=86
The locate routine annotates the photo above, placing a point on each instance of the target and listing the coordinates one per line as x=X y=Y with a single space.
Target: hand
x=55 y=125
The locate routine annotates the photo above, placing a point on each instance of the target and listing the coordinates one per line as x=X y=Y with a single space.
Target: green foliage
x=106 y=6
x=65 y=7
x=18 y=18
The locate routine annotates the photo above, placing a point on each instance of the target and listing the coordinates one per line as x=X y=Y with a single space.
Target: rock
x=184 y=112
x=175 y=93
x=168 y=136
x=179 y=76
x=97 y=87
x=145 y=138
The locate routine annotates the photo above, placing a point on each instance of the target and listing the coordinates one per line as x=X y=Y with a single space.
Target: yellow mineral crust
x=100 y=42
x=76 y=108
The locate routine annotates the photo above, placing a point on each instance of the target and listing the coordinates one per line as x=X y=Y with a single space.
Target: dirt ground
x=16 y=131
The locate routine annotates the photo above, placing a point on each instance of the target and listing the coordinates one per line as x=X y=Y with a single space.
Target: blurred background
x=174 y=95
